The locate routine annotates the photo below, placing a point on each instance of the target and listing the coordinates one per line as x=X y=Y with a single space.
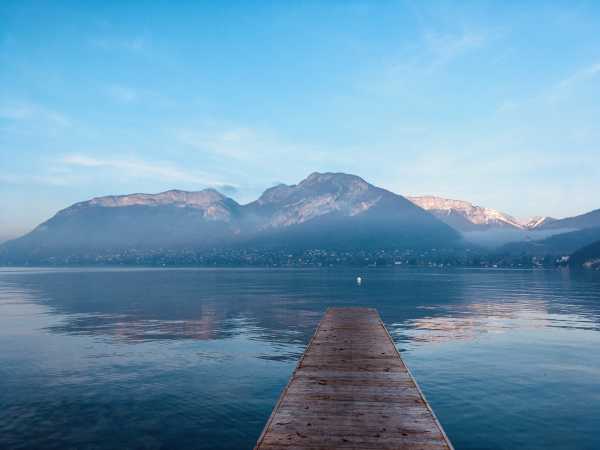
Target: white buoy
x=358 y=280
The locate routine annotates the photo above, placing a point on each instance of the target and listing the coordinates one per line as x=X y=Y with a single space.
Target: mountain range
x=332 y=211
x=464 y=216
x=325 y=211
x=505 y=234
x=559 y=237
x=582 y=221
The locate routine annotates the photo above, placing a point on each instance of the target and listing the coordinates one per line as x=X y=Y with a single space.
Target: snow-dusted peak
x=537 y=222
x=475 y=215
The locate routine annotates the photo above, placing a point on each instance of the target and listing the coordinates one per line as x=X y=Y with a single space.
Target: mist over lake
x=182 y=358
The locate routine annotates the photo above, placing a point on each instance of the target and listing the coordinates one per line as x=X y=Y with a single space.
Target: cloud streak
x=56 y=180
x=252 y=146
x=240 y=143
x=138 y=168
x=24 y=111
x=433 y=52
x=134 y=44
x=580 y=76
x=444 y=48
x=122 y=94
x=565 y=87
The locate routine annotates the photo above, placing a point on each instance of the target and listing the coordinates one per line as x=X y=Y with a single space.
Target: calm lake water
x=182 y=359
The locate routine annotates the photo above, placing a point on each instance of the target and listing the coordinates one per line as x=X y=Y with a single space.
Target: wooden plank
x=351 y=390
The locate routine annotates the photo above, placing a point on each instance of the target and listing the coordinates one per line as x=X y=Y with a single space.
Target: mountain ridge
x=329 y=210
x=170 y=196
x=466 y=216
x=589 y=219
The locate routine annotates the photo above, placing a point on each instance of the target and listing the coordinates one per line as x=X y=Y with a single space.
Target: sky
x=497 y=103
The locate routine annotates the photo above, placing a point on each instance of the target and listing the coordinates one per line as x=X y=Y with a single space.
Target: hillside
x=326 y=210
x=587 y=220
x=558 y=245
x=587 y=257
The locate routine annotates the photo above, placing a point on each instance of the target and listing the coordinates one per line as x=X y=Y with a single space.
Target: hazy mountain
x=587 y=220
x=568 y=235
x=485 y=227
x=170 y=219
x=561 y=244
x=214 y=204
x=464 y=216
x=588 y=257
x=338 y=210
x=323 y=211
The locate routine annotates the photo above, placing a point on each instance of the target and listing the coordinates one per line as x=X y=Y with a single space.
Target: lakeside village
x=441 y=258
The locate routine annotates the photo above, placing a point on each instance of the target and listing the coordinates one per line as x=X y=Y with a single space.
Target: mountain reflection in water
x=177 y=358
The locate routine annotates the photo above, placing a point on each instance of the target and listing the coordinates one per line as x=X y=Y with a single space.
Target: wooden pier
x=351 y=390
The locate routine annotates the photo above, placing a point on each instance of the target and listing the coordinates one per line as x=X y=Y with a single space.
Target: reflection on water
x=196 y=358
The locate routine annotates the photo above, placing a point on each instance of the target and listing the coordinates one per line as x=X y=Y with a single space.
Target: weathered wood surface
x=351 y=390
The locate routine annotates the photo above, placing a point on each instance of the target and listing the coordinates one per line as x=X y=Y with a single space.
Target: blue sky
x=497 y=103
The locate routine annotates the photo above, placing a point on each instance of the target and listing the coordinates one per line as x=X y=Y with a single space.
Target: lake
x=196 y=358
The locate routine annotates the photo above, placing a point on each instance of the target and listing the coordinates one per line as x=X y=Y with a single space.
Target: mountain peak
x=464 y=215
x=338 y=178
x=537 y=222
x=316 y=184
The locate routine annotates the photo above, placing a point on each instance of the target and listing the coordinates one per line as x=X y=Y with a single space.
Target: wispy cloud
x=130 y=44
x=237 y=142
x=445 y=47
x=78 y=169
x=138 y=168
x=536 y=104
x=24 y=111
x=565 y=87
x=44 y=180
x=421 y=61
x=122 y=94
x=251 y=145
x=255 y=157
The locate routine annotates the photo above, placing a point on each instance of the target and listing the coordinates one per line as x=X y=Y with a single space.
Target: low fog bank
x=497 y=237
